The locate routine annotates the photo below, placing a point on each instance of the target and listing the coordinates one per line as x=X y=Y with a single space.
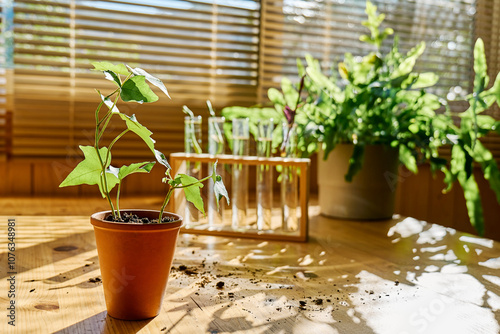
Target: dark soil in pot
x=135 y=219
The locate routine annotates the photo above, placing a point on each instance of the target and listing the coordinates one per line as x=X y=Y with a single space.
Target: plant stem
x=113 y=142
x=165 y=202
x=170 y=191
x=104 y=184
x=118 y=198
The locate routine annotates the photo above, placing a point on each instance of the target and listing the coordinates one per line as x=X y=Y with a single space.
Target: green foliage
x=373 y=23
x=136 y=89
x=383 y=101
x=379 y=99
x=96 y=167
x=192 y=192
x=219 y=188
x=140 y=130
x=89 y=171
x=254 y=115
x=139 y=167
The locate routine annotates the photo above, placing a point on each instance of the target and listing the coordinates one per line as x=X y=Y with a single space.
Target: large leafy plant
x=379 y=99
x=96 y=169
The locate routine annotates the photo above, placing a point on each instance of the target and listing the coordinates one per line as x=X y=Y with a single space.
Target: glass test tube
x=192 y=144
x=215 y=147
x=289 y=181
x=264 y=186
x=239 y=184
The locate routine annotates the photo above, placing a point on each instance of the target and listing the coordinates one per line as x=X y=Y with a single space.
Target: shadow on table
x=62 y=248
x=104 y=324
x=403 y=277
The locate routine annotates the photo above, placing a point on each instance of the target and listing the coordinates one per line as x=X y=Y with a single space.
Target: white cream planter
x=370 y=195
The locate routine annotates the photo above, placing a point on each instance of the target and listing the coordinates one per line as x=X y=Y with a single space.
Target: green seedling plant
x=96 y=169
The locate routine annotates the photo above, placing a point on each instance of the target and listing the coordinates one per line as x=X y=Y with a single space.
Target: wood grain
x=396 y=276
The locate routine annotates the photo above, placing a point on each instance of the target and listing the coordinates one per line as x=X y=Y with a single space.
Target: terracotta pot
x=372 y=192
x=135 y=262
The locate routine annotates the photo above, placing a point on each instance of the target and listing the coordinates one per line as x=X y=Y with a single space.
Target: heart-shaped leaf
x=152 y=79
x=136 y=89
x=107 y=66
x=139 y=167
x=192 y=192
x=140 y=130
x=89 y=170
x=112 y=76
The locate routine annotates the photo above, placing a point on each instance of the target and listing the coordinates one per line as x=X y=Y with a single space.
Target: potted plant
x=135 y=247
x=383 y=105
x=378 y=110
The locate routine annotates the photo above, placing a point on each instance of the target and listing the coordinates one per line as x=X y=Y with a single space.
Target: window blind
x=4 y=121
x=230 y=52
x=328 y=29
x=201 y=50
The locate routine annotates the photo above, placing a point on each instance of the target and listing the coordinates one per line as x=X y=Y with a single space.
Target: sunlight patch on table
x=491 y=263
x=477 y=241
x=414 y=309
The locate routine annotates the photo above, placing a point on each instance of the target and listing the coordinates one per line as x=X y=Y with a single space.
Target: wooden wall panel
x=420 y=197
x=3 y=178
x=440 y=205
x=413 y=192
x=19 y=178
x=47 y=177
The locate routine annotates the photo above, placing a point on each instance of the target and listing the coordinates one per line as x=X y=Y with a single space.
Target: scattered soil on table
x=134 y=219
x=337 y=298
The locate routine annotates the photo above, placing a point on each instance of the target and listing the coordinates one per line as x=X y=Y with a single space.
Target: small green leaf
x=355 y=162
x=322 y=81
x=219 y=188
x=480 y=67
x=407 y=65
x=192 y=191
x=472 y=201
x=407 y=158
x=140 y=130
x=140 y=167
x=175 y=182
x=344 y=73
x=152 y=79
x=160 y=157
x=89 y=170
x=289 y=93
x=112 y=76
x=495 y=90
x=425 y=80
x=107 y=66
x=275 y=96
x=136 y=89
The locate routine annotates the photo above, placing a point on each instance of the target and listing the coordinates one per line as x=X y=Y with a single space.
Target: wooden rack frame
x=177 y=160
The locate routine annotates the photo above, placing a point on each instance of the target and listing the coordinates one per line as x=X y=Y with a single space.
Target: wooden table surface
x=397 y=276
